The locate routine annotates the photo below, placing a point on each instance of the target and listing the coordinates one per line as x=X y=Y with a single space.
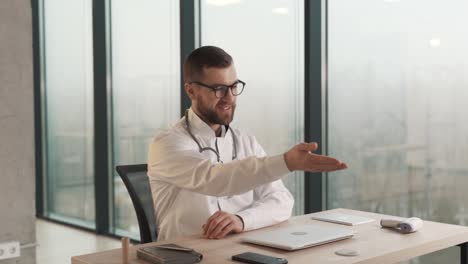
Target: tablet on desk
x=344 y=219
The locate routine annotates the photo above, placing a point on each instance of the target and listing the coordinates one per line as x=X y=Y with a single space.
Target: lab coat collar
x=200 y=128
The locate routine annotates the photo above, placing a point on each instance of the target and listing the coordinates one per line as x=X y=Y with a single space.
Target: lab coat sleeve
x=174 y=161
x=273 y=204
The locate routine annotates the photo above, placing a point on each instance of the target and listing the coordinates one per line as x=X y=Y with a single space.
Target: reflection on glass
x=268 y=50
x=69 y=110
x=397 y=104
x=145 y=88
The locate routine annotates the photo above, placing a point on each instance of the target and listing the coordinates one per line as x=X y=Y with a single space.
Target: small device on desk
x=408 y=225
x=255 y=258
x=344 y=219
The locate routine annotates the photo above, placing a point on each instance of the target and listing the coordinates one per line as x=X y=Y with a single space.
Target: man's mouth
x=225 y=107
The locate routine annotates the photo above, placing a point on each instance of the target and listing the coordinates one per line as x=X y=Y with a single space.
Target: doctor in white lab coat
x=211 y=179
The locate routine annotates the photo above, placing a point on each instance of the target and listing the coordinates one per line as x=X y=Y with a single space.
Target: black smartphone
x=255 y=258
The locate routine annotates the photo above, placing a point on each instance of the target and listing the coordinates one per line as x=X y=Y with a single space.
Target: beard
x=211 y=116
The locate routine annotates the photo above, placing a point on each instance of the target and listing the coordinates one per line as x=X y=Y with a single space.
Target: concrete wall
x=17 y=175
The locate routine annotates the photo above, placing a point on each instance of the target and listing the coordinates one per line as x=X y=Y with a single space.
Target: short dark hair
x=205 y=57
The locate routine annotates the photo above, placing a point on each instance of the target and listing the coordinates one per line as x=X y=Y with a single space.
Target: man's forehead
x=215 y=75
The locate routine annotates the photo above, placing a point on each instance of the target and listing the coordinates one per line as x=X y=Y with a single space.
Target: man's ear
x=189 y=90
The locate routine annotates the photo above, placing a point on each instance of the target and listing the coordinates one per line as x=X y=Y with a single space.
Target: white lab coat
x=189 y=186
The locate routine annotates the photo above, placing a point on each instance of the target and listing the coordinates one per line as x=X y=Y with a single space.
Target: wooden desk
x=374 y=244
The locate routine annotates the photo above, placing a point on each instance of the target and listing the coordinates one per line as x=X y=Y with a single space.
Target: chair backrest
x=136 y=180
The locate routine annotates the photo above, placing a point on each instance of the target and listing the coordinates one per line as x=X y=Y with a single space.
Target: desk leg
x=464 y=253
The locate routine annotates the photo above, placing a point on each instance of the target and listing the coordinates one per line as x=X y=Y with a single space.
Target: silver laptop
x=297 y=237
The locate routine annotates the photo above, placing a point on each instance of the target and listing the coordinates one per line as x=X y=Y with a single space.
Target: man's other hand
x=300 y=157
x=220 y=224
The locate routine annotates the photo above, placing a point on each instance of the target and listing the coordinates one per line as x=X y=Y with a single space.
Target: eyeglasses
x=221 y=90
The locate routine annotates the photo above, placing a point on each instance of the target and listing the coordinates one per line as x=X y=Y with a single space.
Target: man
x=209 y=178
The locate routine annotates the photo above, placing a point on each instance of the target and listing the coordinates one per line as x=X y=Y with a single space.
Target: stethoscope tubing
x=201 y=148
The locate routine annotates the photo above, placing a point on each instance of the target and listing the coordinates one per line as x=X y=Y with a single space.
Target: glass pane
x=69 y=110
x=145 y=88
x=271 y=63
x=397 y=92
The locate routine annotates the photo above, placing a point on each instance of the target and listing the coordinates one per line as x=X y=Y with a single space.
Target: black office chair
x=136 y=180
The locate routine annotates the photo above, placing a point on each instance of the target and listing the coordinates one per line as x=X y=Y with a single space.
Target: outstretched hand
x=300 y=157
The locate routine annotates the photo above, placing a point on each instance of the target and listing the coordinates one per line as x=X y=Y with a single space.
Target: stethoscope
x=215 y=151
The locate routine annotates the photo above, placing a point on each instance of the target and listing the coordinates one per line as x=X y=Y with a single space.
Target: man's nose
x=229 y=96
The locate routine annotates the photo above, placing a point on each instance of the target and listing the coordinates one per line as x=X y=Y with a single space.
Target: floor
x=58 y=243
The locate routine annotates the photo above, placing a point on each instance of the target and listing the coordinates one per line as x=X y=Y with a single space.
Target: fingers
x=310 y=147
x=322 y=163
x=228 y=229
x=318 y=163
x=325 y=168
x=214 y=216
x=213 y=223
x=219 y=228
x=300 y=157
x=220 y=224
x=321 y=159
x=208 y=221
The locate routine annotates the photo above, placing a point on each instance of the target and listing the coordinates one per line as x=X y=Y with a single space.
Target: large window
x=266 y=40
x=395 y=111
x=397 y=92
x=68 y=115
x=145 y=88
